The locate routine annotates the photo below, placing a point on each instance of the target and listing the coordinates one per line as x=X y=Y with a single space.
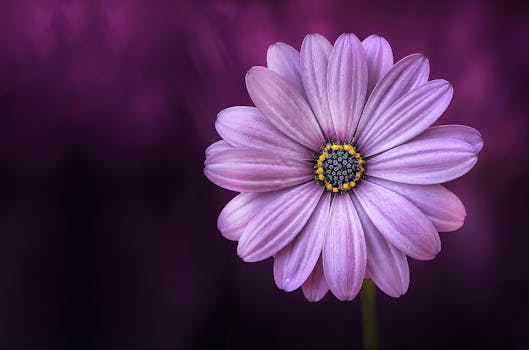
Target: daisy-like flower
x=338 y=166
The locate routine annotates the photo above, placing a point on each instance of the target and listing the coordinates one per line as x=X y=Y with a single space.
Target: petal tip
x=420 y=57
x=432 y=254
x=436 y=249
x=253 y=71
x=347 y=36
x=403 y=290
x=398 y=294
x=208 y=174
x=274 y=46
x=443 y=89
x=242 y=249
x=458 y=225
x=479 y=143
x=314 y=40
x=450 y=87
x=313 y=297
x=287 y=285
x=419 y=60
x=445 y=86
x=377 y=37
x=440 y=84
x=312 y=36
x=345 y=296
x=245 y=257
x=246 y=253
x=310 y=300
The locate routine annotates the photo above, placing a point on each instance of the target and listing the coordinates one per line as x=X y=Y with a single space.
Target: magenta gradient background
x=108 y=235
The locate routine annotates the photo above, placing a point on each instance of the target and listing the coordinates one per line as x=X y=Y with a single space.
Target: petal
x=315 y=52
x=440 y=205
x=424 y=161
x=284 y=60
x=386 y=265
x=295 y=262
x=346 y=84
x=344 y=249
x=407 y=74
x=399 y=221
x=278 y=223
x=459 y=132
x=255 y=170
x=315 y=287
x=246 y=127
x=217 y=146
x=240 y=210
x=408 y=117
x=284 y=107
x=379 y=59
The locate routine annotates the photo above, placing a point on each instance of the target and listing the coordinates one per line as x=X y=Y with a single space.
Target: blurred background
x=108 y=235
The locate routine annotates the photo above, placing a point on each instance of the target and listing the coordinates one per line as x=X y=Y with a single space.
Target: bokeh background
x=108 y=235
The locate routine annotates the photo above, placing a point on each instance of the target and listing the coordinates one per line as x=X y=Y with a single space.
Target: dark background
x=108 y=235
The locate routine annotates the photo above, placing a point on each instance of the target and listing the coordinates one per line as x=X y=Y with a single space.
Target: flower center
x=339 y=167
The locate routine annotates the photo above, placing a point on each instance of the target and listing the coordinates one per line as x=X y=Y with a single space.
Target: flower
x=338 y=166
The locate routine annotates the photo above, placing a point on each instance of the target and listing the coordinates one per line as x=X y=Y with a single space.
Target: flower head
x=338 y=166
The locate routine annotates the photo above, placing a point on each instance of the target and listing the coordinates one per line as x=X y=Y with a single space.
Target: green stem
x=369 y=315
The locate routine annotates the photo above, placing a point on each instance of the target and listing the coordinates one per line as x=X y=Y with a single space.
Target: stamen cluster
x=339 y=167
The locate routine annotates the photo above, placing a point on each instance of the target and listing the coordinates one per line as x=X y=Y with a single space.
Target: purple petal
x=399 y=221
x=315 y=287
x=294 y=263
x=459 y=132
x=386 y=265
x=346 y=84
x=278 y=223
x=344 y=249
x=217 y=146
x=246 y=127
x=408 y=117
x=255 y=170
x=407 y=74
x=440 y=205
x=315 y=52
x=240 y=210
x=284 y=60
x=424 y=161
x=379 y=59
x=284 y=107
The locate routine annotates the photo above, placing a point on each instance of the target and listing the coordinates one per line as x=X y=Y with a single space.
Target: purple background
x=108 y=235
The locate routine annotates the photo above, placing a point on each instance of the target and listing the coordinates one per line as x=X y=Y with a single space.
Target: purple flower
x=338 y=166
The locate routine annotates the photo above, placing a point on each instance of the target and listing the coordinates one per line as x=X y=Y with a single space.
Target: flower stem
x=369 y=315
